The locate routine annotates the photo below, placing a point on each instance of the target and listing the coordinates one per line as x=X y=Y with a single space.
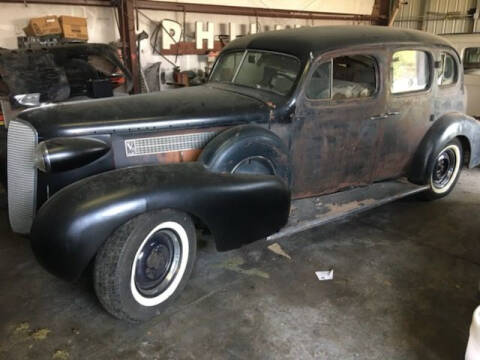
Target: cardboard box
x=74 y=28
x=46 y=25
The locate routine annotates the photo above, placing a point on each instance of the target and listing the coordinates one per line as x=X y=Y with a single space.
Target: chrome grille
x=164 y=144
x=22 y=175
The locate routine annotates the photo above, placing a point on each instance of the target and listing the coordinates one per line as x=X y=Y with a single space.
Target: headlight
x=32 y=99
x=62 y=154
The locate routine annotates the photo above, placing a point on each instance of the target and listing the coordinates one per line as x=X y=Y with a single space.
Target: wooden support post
x=129 y=40
x=475 y=17
x=380 y=12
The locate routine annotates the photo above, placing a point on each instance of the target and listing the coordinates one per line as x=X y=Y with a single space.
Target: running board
x=312 y=212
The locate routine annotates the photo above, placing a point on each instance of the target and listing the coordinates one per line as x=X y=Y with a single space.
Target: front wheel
x=145 y=264
x=447 y=165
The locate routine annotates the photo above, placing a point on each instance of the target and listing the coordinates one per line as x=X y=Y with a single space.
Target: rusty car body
x=286 y=115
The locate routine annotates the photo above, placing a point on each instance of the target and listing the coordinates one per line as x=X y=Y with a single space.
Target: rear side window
x=344 y=77
x=448 y=70
x=471 y=58
x=410 y=71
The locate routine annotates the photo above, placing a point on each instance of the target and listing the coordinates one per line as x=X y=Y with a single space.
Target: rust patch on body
x=347 y=207
x=178 y=156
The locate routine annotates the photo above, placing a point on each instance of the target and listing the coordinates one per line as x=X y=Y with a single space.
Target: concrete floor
x=405 y=286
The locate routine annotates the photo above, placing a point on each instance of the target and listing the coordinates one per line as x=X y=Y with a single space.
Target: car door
x=336 y=124
x=409 y=108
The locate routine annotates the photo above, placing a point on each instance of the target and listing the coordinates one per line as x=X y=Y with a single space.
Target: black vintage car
x=291 y=114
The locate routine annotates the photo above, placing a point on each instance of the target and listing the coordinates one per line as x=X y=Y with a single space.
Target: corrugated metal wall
x=439 y=16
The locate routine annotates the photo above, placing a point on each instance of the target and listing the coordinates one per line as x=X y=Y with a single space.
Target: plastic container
x=473 y=346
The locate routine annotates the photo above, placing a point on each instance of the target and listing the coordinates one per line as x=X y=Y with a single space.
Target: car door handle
x=378 y=117
x=393 y=113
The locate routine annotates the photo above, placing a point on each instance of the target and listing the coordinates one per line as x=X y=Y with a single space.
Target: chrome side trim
x=165 y=144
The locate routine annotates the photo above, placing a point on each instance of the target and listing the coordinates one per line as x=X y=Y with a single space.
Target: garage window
x=344 y=77
x=448 y=70
x=410 y=71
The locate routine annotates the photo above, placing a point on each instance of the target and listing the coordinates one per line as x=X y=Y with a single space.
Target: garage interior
x=402 y=280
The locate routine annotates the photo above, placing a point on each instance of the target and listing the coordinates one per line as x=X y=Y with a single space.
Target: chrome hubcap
x=444 y=168
x=157 y=263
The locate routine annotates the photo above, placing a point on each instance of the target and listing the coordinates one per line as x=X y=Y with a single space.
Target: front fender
x=74 y=223
x=445 y=129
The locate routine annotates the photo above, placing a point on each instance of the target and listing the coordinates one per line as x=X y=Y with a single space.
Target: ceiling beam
x=212 y=9
x=63 y=2
x=246 y=11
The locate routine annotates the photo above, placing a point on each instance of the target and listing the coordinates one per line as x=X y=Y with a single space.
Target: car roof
x=474 y=34
x=471 y=39
x=300 y=42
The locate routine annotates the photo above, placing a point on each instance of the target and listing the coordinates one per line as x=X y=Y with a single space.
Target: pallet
x=309 y=213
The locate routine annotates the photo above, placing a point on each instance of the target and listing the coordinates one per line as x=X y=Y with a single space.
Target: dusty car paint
x=224 y=202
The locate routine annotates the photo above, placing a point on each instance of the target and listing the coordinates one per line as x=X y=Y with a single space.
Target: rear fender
x=237 y=208
x=444 y=130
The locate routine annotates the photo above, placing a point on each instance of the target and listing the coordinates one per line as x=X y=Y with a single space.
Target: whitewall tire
x=145 y=264
x=447 y=165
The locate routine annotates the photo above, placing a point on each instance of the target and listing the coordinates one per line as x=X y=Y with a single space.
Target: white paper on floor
x=324 y=275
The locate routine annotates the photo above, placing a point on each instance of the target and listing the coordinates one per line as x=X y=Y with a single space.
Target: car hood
x=200 y=106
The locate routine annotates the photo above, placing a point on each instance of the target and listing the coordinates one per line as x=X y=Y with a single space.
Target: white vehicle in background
x=468 y=46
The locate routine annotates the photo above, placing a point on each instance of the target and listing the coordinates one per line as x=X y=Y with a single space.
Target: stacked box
x=74 y=28
x=41 y=26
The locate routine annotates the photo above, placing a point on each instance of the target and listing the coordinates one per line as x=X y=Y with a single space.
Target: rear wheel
x=447 y=165
x=247 y=149
x=145 y=264
x=254 y=165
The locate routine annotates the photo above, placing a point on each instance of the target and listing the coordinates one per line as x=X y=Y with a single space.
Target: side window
x=471 y=58
x=319 y=85
x=344 y=77
x=410 y=71
x=354 y=77
x=448 y=70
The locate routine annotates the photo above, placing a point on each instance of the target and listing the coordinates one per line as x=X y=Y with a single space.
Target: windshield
x=258 y=69
x=471 y=59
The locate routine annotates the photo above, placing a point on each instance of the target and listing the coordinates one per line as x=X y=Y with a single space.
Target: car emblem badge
x=130 y=148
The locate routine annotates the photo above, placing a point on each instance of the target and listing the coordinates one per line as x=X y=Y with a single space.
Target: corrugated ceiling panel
x=437 y=16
